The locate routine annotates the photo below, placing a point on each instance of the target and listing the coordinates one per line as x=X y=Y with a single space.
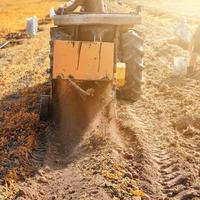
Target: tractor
x=94 y=58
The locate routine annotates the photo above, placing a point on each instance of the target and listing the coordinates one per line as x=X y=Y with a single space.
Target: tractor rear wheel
x=132 y=55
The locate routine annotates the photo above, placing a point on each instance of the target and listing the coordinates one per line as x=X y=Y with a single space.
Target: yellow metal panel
x=83 y=60
x=107 y=59
x=89 y=61
x=120 y=74
x=65 y=58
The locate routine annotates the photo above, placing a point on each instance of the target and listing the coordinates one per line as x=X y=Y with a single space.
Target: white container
x=180 y=66
x=52 y=13
x=32 y=25
x=35 y=22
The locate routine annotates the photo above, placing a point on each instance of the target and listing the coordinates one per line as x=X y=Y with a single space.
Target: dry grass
x=22 y=81
x=13 y=13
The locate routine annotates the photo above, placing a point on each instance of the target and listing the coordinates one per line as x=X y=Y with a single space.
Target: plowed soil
x=147 y=150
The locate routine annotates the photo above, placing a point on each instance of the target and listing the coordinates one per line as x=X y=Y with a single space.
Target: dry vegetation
x=13 y=13
x=21 y=84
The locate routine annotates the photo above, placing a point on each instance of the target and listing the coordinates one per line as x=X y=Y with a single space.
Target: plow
x=94 y=59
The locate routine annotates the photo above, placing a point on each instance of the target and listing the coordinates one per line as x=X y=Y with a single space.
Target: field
x=13 y=15
x=149 y=151
x=179 y=7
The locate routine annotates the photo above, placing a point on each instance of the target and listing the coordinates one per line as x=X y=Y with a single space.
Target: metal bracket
x=83 y=94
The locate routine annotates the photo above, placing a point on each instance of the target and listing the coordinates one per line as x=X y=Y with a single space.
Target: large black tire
x=132 y=55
